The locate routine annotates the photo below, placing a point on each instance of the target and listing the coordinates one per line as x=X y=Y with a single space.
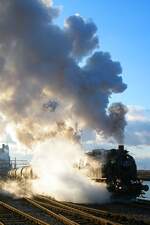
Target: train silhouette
x=117 y=168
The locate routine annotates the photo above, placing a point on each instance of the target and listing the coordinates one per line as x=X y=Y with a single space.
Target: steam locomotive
x=117 y=169
x=120 y=171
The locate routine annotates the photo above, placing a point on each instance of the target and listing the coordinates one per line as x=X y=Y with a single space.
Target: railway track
x=45 y=211
x=98 y=216
x=27 y=211
x=25 y=208
x=75 y=215
x=11 y=216
x=140 y=203
x=23 y=211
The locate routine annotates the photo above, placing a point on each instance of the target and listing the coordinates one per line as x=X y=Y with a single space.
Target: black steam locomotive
x=117 y=169
x=120 y=171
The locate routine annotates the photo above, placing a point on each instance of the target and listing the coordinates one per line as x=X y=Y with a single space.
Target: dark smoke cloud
x=82 y=34
x=2 y=64
x=117 y=113
x=40 y=61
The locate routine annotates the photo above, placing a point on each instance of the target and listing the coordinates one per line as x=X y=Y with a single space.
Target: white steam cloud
x=58 y=178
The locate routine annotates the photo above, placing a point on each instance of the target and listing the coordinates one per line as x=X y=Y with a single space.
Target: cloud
x=138 y=113
x=47 y=2
x=138 y=128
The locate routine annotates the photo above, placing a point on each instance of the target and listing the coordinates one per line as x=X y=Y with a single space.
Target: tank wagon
x=25 y=172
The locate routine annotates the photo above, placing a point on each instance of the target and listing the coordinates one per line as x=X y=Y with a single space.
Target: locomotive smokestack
x=121 y=147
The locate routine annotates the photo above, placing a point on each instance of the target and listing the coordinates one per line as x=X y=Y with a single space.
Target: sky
x=124 y=31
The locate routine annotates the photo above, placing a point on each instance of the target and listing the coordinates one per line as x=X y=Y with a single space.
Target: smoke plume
x=40 y=61
x=117 y=113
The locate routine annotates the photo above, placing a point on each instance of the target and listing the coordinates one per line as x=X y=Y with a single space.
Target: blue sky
x=123 y=30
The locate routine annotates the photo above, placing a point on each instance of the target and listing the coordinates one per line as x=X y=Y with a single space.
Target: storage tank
x=5 y=165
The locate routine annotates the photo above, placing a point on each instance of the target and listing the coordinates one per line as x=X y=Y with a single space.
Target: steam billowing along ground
x=57 y=177
x=43 y=79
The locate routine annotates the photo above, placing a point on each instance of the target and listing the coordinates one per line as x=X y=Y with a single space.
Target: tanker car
x=25 y=172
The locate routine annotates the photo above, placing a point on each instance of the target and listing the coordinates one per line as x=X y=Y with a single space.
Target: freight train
x=115 y=167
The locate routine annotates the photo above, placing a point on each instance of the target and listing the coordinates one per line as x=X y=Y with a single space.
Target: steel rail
x=22 y=214
x=84 y=215
x=59 y=218
x=2 y=223
x=104 y=214
x=87 y=209
x=54 y=207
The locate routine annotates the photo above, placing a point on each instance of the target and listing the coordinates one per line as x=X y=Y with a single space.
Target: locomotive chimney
x=121 y=147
